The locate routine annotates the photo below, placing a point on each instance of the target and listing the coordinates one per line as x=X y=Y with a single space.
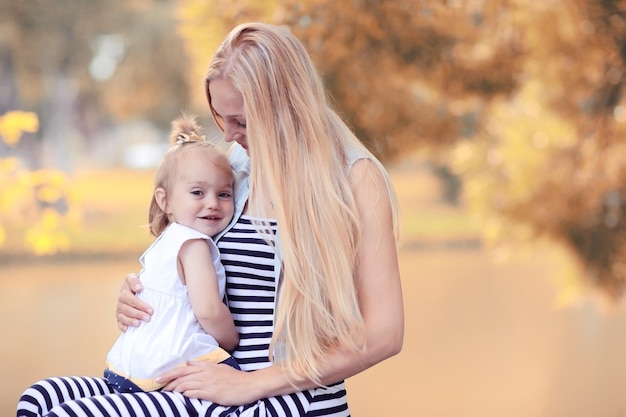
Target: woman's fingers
x=177 y=377
x=132 y=283
x=130 y=310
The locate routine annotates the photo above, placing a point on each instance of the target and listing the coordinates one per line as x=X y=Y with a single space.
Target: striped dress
x=251 y=291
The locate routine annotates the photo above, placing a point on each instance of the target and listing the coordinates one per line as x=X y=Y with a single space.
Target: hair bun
x=186 y=129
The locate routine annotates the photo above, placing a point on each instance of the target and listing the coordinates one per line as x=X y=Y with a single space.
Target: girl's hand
x=218 y=383
x=131 y=311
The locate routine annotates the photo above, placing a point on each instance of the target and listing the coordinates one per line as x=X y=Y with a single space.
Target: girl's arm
x=197 y=272
x=380 y=297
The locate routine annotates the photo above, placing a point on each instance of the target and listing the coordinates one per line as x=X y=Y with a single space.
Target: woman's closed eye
x=237 y=122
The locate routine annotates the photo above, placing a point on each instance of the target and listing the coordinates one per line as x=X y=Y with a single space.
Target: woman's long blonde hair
x=297 y=146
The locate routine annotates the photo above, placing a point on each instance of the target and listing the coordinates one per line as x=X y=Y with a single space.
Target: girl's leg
x=41 y=397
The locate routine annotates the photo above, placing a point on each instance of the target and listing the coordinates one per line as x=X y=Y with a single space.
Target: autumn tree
x=531 y=110
x=78 y=68
x=404 y=73
x=38 y=200
x=523 y=101
x=203 y=25
x=551 y=159
x=83 y=66
x=409 y=73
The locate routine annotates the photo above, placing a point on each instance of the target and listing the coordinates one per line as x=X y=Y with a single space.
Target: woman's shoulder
x=356 y=153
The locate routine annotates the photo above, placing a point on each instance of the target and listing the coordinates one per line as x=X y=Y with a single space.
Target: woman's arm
x=198 y=274
x=377 y=277
x=380 y=297
x=378 y=285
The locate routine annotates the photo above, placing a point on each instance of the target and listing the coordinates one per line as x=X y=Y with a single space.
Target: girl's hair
x=298 y=146
x=185 y=139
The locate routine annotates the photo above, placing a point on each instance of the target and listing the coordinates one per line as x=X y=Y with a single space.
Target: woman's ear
x=160 y=196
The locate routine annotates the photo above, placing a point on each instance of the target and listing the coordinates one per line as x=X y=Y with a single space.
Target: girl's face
x=201 y=196
x=228 y=106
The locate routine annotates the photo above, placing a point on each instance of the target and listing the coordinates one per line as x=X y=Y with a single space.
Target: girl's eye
x=196 y=192
x=241 y=125
x=225 y=195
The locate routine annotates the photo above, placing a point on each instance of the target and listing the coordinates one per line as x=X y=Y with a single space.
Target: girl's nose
x=211 y=201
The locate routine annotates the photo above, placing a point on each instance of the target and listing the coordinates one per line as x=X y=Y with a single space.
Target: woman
x=310 y=256
x=339 y=309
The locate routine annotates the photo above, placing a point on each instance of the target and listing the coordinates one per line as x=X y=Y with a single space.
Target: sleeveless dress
x=173 y=335
x=251 y=287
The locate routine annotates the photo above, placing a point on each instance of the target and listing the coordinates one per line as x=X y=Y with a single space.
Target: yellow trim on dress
x=216 y=356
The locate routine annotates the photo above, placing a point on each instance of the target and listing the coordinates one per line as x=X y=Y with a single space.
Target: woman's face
x=228 y=105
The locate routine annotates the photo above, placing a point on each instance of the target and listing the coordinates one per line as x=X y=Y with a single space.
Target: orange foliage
x=523 y=100
x=552 y=157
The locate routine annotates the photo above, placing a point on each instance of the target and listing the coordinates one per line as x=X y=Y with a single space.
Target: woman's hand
x=131 y=311
x=220 y=384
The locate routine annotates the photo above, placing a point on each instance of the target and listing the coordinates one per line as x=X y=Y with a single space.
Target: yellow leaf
x=49 y=194
x=14 y=123
x=49 y=219
x=8 y=165
x=44 y=238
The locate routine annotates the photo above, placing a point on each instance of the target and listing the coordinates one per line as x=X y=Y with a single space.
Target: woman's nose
x=228 y=135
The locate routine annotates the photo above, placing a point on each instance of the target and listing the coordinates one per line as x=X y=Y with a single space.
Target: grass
x=114 y=210
x=114 y=206
x=424 y=217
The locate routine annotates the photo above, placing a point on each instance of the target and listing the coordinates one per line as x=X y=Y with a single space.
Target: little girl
x=182 y=275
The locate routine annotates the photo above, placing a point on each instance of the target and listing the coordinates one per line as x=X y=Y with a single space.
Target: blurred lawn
x=114 y=208
x=424 y=217
x=115 y=211
x=114 y=214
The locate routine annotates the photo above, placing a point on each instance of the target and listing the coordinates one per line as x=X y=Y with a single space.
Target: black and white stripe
x=249 y=258
x=250 y=289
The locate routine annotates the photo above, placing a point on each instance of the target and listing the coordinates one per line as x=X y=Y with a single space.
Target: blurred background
x=502 y=123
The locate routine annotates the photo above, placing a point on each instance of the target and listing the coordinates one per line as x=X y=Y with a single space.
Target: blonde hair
x=185 y=138
x=298 y=145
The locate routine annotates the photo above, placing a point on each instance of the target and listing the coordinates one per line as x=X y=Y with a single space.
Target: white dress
x=173 y=335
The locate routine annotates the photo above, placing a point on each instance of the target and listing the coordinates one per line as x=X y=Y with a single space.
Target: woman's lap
x=86 y=396
x=93 y=397
x=41 y=397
